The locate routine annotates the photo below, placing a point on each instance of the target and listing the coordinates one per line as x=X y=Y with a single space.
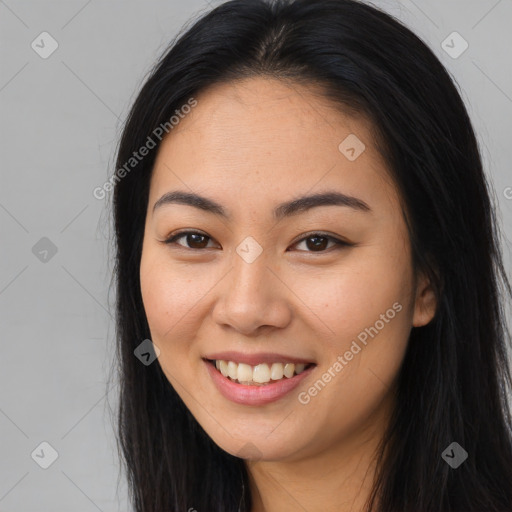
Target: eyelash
x=180 y=234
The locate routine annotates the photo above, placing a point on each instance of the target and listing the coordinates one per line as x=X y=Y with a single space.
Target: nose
x=253 y=297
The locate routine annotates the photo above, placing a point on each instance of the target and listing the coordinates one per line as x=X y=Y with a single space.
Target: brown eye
x=194 y=239
x=317 y=242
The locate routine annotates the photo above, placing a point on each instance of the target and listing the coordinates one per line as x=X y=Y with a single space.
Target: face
x=321 y=289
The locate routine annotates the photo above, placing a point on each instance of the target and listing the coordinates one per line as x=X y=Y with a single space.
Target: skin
x=251 y=145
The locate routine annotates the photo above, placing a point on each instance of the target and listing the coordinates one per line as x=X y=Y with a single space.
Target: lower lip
x=254 y=395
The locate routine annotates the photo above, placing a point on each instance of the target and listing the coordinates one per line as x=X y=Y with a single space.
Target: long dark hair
x=455 y=379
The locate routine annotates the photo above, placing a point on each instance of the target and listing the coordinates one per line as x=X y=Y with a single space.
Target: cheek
x=158 y=299
x=168 y=300
x=376 y=318
x=174 y=298
x=166 y=294
x=349 y=299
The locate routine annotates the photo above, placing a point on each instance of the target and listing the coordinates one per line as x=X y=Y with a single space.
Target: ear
x=425 y=303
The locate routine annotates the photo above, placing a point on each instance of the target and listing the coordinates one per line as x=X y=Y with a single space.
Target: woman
x=305 y=239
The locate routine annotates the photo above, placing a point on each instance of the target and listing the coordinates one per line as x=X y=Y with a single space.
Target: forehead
x=264 y=137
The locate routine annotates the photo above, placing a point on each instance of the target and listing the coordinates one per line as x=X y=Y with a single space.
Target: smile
x=259 y=375
x=259 y=384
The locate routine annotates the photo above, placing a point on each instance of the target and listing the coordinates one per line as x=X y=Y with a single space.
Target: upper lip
x=255 y=359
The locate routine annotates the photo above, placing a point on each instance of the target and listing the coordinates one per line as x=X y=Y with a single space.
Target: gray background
x=60 y=121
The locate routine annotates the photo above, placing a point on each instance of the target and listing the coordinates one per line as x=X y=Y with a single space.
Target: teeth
x=276 y=372
x=244 y=372
x=224 y=368
x=232 y=370
x=299 y=368
x=289 y=370
x=260 y=374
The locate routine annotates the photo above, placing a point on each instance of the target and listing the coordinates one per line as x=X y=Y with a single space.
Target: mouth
x=257 y=385
x=263 y=374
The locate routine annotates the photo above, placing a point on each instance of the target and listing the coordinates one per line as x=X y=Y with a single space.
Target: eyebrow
x=287 y=209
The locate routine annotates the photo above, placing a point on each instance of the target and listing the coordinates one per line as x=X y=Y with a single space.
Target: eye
x=320 y=241
x=196 y=240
